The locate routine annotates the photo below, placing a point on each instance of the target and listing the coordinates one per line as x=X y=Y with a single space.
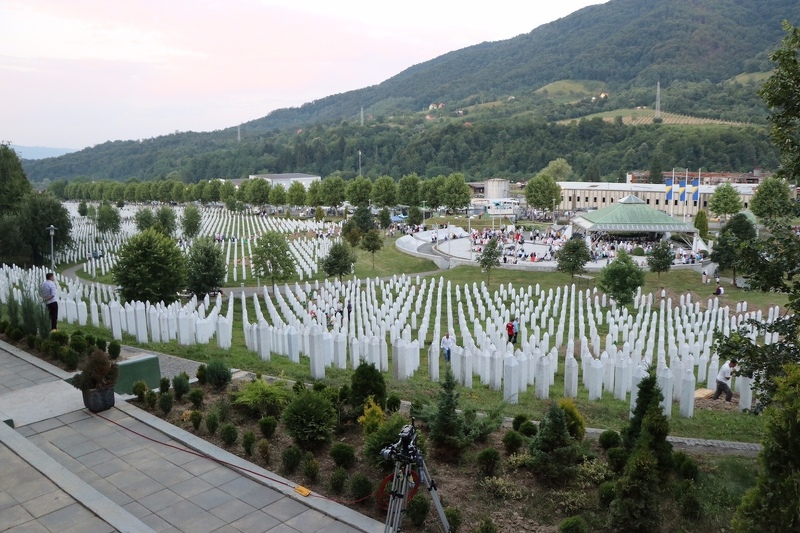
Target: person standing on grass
x=448 y=343
x=516 y=330
x=49 y=293
x=510 y=331
x=723 y=378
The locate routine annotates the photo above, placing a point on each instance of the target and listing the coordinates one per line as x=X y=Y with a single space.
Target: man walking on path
x=448 y=343
x=723 y=378
x=49 y=292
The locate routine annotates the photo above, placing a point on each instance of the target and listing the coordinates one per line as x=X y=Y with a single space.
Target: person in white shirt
x=49 y=293
x=448 y=343
x=723 y=378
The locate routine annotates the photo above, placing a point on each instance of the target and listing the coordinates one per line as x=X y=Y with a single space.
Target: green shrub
x=686 y=466
x=61 y=337
x=554 y=453
x=267 y=426
x=196 y=397
x=605 y=493
x=262 y=446
x=393 y=403
x=51 y=348
x=573 y=524
x=418 y=509
x=163 y=385
x=298 y=387
x=29 y=311
x=71 y=359
x=478 y=428
x=196 y=417
x=486 y=526
x=689 y=502
x=517 y=421
x=360 y=488
x=248 y=441
x=212 y=422
x=318 y=386
x=223 y=409
x=372 y=418
x=609 y=439
x=343 y=455
x=12 y=308
x=151 y=399
x=454 y=519
x=165 y=402
x=617 y=457
x=3 y=325
x=15 y=334
x=201 y=374
x=180 y=385
x=638 y=251
x=311 y=469
x=367 y=381
x=291 y=458
x=338 y=480
x=229 y=434
x=488 y=461
x=310 y=419
x=513 y=441
x=529 y=428
x=102 y=344
x=90 y=340
x=139 y=389
x=261 y=399
x=637 y=497
x=30 y=340
x=575 y=423
x=114 y=349
x=218 y=375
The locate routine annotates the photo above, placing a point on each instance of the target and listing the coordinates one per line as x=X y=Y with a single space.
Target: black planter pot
x=97 y=400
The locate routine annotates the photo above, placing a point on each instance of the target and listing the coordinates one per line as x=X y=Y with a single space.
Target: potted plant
x=96 y=380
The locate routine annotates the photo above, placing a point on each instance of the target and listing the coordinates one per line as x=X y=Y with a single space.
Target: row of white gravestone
x=391 y=315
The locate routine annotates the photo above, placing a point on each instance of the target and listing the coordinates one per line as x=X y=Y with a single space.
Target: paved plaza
x=67 y=470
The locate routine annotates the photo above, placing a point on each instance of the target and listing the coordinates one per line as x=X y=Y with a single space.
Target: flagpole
x=672 y=201
x=685 y=196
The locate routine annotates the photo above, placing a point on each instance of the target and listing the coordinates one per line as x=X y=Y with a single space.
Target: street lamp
x=52 y=229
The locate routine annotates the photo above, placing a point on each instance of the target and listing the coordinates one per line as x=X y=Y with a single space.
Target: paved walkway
x=65 y=469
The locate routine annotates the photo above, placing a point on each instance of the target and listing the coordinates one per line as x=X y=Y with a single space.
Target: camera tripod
x=409 y=469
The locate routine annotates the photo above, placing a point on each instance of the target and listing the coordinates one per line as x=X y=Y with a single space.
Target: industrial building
x=285 y=180
x=583 y=196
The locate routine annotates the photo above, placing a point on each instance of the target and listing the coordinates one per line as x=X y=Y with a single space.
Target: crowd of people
x=513 y=242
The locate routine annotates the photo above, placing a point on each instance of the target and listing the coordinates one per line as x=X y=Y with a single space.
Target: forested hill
x=624 y=43
x=693 y=47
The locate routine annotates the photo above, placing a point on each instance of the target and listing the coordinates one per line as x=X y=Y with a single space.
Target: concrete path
x=65 y=469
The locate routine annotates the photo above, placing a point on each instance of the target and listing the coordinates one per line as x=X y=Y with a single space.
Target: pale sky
x=78 y=73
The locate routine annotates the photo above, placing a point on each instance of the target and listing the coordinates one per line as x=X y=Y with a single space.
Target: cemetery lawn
x=607 y=413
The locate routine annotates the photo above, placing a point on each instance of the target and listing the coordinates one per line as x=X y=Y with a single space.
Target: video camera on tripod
x=405 y=449
x=405 y=480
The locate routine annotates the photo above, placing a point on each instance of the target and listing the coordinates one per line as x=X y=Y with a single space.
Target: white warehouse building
x=285 y=180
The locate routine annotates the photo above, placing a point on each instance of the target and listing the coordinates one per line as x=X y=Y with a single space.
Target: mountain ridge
x=693 y=48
